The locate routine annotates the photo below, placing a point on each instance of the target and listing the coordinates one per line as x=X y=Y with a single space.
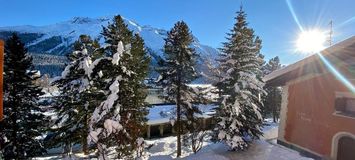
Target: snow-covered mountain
x=57 y=40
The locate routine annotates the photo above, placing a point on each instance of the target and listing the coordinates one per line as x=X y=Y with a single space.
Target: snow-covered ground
x=165 y=149
x=270 y=129
x=259 y=150
x=264 y=149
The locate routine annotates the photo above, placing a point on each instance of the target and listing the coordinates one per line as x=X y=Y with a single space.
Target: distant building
x=154 y=96
x=160 y=113
x=318 y=103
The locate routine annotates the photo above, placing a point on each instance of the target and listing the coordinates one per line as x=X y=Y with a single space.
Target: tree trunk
x=274 y=106
x=178 y=107
x=66 y=150
x=14 y=136
x=15 y=129
x=84 y=138
x=178 y=120
x=85 y=146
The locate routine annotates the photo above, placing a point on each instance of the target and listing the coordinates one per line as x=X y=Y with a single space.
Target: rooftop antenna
x=330 y=32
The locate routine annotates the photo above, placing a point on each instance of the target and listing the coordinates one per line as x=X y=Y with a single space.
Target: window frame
x=340 y=99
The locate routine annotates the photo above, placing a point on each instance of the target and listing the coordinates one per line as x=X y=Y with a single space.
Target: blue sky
x=209 y=20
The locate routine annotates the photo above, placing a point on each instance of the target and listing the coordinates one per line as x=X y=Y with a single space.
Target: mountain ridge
x=57 y=39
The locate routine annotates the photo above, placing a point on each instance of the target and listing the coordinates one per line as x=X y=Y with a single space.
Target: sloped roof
x=343 y=51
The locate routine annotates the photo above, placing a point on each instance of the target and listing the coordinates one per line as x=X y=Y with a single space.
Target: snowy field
x=264 y=149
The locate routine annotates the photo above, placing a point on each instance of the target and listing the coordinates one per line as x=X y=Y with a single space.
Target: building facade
x=318 y=103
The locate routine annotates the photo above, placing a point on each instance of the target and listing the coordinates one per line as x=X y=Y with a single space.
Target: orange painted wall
x=310 y=121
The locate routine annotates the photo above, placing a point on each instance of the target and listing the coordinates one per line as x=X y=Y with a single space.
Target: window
x=350 y=105
x=345 y=104
x=351 y=69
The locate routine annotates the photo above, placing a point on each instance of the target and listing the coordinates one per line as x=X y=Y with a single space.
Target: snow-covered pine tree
x=214 y=75
x=239 y=115
x=78 y=98
x=119 y=120
x=272 y=65
x=272 y=102
x=23 y=122
x=176 y=72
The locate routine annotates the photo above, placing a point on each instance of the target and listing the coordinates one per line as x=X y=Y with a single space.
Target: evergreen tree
x=120 y=119
x=23 y=121
x=78 y=98
x=272 y=102
x=176 y=72
x=215 y=76
x=239 y=115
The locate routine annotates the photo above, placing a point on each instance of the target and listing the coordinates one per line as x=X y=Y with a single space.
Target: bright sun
x=311 y=41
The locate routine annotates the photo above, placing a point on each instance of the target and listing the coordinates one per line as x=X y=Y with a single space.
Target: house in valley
x=318 y=103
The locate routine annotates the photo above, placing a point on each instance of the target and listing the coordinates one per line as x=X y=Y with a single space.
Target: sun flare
x=311 y=41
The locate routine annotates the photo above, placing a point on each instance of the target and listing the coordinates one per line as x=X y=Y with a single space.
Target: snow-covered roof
x=201 y=85
x=341 y=46
x=160 y=114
